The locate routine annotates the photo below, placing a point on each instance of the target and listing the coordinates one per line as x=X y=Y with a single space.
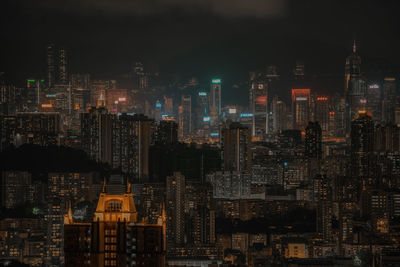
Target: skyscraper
x=299 y=70
x=175 y=209
x=236 y=146
x=114 y=237
x=313 y=142
x=355 y=87
x=215 y=95
x=185 y=116
x=97 y=134
x=279 y=116
x=322 y=113
x=259 y=103
x=362 y=145
x=62 y=66
x=301 y=100
x=51 y=65
x=389 y=100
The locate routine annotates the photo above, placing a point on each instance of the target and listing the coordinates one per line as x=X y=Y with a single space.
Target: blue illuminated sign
x=246 y=115
x=158 y=105
x=202 y=94
x=214 y=134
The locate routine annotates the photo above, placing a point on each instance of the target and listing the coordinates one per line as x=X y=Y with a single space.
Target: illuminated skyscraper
x=355 y=87
x=175 y=209
x=299 y=71
x=279 y=116
x=62 y=66
x=115 y=237
x=259 y=103
x=185 y=116
x=374 y=101
x=202 y=109
x=322 y=113
x=389 y=100
x=51 y=65
x=362 y=145
x=313 y=142
x=215 y=94
x=301 y=100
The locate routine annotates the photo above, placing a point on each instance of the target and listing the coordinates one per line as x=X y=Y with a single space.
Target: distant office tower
x=313 y=142
x=279 y=116
x=236 y=146
x=114 y=237
x=168 y=106
x=157 y=110
x=97 y=134
x=374 y=101
x=202 y=109
x=175 y=209
x=140 y=78
x=215 y=94
x=362 y=145
x=31 y=97
x=185 y=116
x=51 y=65
x=387 y=138
x=389 y=100
x=301 y=101
x=340 y=116
x=62 y=66
x=259 y=103
x=299 y=71
x=355 y=87
x=167 y=132
x=321 y=113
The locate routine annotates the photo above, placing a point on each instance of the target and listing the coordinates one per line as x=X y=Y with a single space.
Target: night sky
x=202 y=38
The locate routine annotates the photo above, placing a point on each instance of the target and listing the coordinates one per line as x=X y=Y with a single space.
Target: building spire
x=354 y=46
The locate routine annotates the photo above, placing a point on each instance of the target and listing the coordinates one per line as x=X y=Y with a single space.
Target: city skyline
x=211 y=133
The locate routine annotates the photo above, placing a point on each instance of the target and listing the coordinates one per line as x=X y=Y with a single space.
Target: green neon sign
x=31 y=81
x=216 y=81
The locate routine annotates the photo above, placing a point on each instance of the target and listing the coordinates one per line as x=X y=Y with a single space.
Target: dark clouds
x=224 y=8
x=198 y=37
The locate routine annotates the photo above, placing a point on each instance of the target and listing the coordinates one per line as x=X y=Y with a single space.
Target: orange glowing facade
x=114 y=237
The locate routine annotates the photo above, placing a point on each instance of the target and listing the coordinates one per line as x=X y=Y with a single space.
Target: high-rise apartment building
x=236 y=146
x=175 y=209
x=97 y=134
